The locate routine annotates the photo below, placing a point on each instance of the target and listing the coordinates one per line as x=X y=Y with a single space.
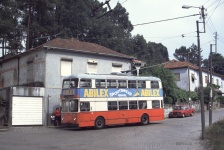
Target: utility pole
x=215 y=42
x=210 y=95
x=201 y=92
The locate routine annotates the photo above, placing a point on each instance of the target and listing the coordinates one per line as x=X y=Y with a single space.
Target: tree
x=10 y=31
x=187 y=54
x=217 y=63
x=159 y=53
x=37 y=21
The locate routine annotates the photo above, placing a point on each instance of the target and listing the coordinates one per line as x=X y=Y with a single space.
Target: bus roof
x=117 y=76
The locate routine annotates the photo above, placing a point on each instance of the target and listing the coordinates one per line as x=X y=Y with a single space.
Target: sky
x=177 y=32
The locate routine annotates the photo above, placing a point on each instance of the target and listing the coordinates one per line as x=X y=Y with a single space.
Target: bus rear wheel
x=99 y=123
x=144 y=119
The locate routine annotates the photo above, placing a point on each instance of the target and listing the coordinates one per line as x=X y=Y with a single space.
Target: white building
x=187 y=76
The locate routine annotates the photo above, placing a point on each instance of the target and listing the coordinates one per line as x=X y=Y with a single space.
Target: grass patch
x=215 y=135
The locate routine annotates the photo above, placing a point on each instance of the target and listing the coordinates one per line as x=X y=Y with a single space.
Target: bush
x=215 y=135
x=168 y=100
x=221 y=99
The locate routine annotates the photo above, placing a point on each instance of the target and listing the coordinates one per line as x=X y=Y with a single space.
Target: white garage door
x=27 y=111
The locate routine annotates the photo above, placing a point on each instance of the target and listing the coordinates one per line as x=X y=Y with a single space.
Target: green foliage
x=179 y=95
x=207 y=93
x=194 y=96
x=217 y=63
x=187 y=54
x=220 y=99
x=10 y=30
x=215 y=135
x=168 y=100
x=48 y=19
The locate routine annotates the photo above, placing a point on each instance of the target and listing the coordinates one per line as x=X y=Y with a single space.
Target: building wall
x=8 y=73
x=186 y=79
x=53 y=78
x=183 y=83
x=36 y=61
x=15 y=70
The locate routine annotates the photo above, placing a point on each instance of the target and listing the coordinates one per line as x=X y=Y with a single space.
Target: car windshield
x=178 y=108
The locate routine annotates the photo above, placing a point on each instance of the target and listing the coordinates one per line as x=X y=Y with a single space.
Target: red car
x=181 y=111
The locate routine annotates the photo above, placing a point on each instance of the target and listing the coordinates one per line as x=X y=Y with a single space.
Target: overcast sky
x=169 y=33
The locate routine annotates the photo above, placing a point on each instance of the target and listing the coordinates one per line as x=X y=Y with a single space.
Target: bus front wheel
x=99 y=123
x=144 y=119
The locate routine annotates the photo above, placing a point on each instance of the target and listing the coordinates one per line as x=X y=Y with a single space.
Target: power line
x=214 y=10
x=166 y=20
x=212 y=3
x=206 y=2
x=124 y=1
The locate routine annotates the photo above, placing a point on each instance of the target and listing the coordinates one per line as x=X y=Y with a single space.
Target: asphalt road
x=170 y=134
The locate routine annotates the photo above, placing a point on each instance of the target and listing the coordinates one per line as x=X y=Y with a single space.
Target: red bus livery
x=97 y=100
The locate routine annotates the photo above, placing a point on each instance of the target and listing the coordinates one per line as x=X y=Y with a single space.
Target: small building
x=30 y=82
x=187 y=75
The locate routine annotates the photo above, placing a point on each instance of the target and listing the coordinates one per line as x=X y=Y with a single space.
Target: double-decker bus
x=98 y=100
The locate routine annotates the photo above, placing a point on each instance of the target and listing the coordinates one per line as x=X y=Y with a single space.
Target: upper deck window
x=132 y=84
x=122 y=83
x=141 y=84
x=111 y=84
x=100 y=83
x=154 y=84
x=85 y=83
x=73 y=83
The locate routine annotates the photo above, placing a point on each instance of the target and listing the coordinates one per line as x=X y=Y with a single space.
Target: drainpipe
x=18 y=72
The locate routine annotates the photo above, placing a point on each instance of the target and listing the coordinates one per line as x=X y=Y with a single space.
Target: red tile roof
x=85 y=47
x=179 y=64
x=174 y=64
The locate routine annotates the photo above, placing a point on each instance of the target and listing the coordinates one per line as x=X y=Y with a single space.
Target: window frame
x=123 y=105
x=110 y=105
x=155 y=103
x=66 y=67
x=140 y=103
x=135 y=105
x=177 y=76
x=86 y=108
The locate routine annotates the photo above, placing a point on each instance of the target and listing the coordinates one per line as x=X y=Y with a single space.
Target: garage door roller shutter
x=27 y=111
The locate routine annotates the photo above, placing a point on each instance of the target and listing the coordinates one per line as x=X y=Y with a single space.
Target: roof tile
x=76 y=45
x=179 y=64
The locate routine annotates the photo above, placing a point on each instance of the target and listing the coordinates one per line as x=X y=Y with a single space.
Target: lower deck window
x=123 y=105
x=84 y=106
x=73 y=106
x=142 y=104
x=112 y=105
x=133 y=105
x=155 y=104
x=69 y=105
